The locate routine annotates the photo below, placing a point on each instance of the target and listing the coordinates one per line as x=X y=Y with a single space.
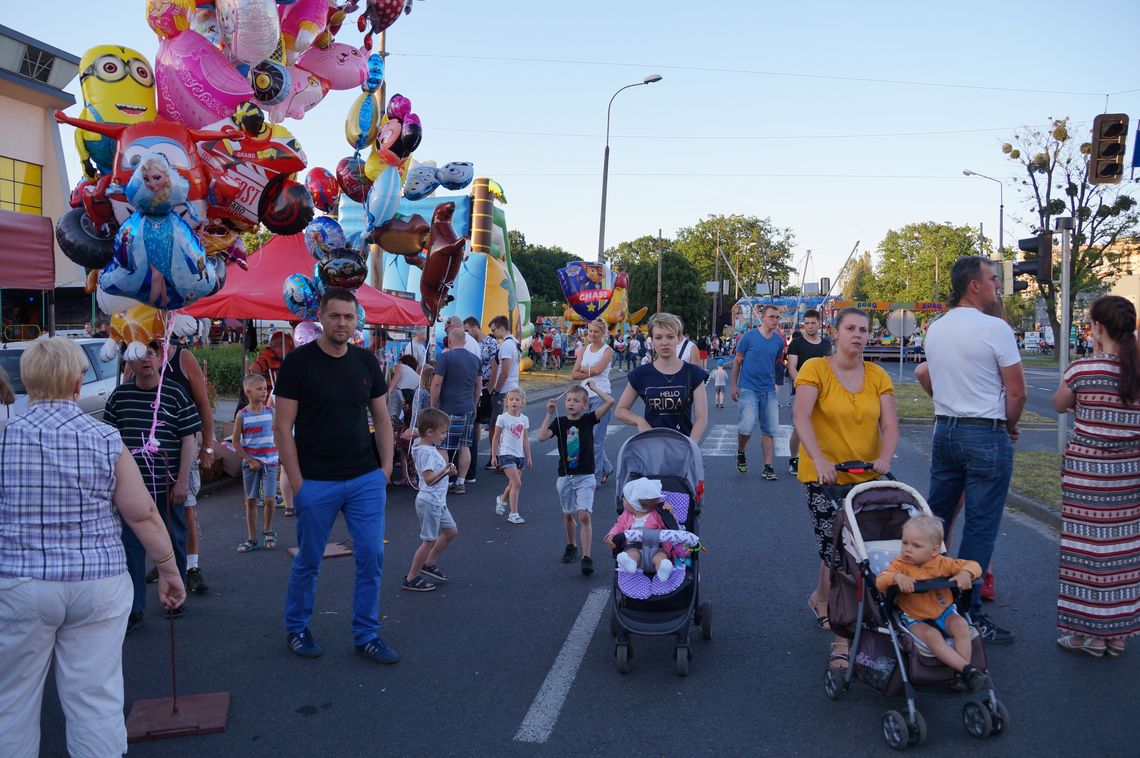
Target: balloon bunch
x=379 y=15
x=424 y=179
x=337 y=265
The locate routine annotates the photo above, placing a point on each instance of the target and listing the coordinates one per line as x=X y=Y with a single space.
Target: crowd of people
x=129 y=483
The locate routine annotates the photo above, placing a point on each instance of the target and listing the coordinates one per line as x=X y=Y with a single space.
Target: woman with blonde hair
x=64 y=599
x=593 y=364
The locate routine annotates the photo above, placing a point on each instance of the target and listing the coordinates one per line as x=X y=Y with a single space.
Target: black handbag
x=484 y=409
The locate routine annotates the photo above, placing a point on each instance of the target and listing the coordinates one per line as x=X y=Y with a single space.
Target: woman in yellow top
x=844 y=411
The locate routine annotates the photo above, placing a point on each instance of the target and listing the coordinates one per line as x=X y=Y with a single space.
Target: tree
x=641 y=250
x=682 y=293
x=915 y=261
x=537 y=264
x=858 y=280
x=1020 y=310
x=253 y=240
x=1055 y=183
x=758 y=250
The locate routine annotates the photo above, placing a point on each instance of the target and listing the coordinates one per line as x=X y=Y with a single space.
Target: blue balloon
x=322 y=236
x=384 y=197
x=456 y=175
x=160 y=261
x=301 y=298
x=155 y=188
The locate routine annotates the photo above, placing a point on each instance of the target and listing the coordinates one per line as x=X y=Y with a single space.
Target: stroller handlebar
x=858 y=467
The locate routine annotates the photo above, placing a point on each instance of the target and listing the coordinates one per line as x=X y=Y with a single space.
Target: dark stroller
x=643 y=605
x=885 y=655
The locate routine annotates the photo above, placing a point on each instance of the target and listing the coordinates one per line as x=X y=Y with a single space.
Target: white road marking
x=720 y=441
x=543 y=713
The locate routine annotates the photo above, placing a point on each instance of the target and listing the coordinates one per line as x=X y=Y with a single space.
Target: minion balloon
x=117 y=84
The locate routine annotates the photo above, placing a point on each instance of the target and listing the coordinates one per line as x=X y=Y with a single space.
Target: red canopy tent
x=256 y=293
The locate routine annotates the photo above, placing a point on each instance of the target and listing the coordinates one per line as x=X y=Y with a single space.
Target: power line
x=761 y=72
x=731 y=175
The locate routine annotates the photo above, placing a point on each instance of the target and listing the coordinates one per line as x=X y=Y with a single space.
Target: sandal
x=419 y=584
x=289 y=512
x=248 y=546
x=270 y=539
x=839 y=658
x=433 y=571
x=1081 y=643
x=821 y=619
x=1114 y=648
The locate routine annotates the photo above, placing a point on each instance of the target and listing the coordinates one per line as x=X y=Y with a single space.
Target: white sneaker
x=500 y=505
x=515 y=518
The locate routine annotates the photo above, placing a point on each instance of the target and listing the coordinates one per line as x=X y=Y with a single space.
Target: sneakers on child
x=587 y=565
x=626 y=564
x=195 y=582
x=570 y=553
x=741 y=463
x=974 y=679
x=303 y=644
x=794 y=466
x=515 y=518
x=769 y=473
x=500 y=505
x=376 y=650
x=457 y=489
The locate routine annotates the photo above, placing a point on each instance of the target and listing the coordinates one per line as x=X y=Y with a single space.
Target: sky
x=839 y=121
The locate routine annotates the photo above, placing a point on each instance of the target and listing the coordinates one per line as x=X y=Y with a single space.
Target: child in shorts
x=510 y=451
x=720 y=378
x=253 y=441
x=575 y=435
x=437 y=527
x=932 y=616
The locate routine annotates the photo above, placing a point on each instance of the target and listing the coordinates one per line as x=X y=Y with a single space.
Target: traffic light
x=1106 y=153
x=1038 y=263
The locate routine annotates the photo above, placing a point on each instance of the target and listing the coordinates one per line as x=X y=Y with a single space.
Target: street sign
x=710 y=287
x=901 y=323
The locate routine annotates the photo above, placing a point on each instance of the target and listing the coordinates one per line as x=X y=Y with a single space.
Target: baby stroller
x=884 y=654
x=641 y=604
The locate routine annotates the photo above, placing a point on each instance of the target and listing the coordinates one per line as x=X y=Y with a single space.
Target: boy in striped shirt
x=253 y=441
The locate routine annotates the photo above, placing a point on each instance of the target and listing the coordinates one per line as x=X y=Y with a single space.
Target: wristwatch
x=208 y=450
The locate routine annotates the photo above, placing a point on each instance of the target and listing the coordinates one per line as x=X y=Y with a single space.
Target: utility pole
x=660 y=255
x=1062 y=339
x=716 y=277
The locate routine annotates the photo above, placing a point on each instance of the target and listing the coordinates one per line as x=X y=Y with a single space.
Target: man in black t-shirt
x=806 y=346
x=166 y=470
x=326 y=391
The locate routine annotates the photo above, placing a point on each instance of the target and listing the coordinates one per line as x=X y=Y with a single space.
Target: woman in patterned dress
x=1099 y=604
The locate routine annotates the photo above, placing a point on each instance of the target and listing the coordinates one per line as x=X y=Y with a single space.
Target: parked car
x=98 y=381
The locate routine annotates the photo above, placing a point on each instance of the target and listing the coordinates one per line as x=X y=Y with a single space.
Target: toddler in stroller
x=641 y=497
x=882 y=549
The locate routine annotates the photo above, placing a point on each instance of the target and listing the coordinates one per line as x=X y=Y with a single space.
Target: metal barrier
x=21 y=332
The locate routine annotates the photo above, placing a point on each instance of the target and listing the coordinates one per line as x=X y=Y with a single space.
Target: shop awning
x=27 y=251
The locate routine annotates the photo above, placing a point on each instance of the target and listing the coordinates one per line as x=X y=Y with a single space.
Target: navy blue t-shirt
x=668 y=398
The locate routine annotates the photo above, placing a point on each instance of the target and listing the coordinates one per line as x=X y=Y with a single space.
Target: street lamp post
x=606 y=164
x=1001 y=209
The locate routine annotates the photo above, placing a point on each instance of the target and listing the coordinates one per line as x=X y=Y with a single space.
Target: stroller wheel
x=706 y=621
x=1000 y=717
x=833 y=684
x=621 y=658
x=895 y=730
x=977 y=719
x=681 y=661
x=614 y=626
x=918 y=729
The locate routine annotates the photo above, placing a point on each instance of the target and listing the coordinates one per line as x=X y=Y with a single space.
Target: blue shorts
x=938 y=623
x=762 y=407
x=511 y=461
x=260 y=483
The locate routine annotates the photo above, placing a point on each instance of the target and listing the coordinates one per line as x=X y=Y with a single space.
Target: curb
x=1033 y=508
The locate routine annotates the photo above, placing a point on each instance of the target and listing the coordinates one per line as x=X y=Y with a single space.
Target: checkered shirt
x=57 y=480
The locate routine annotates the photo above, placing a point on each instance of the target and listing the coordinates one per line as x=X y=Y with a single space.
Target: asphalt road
x=477 y=653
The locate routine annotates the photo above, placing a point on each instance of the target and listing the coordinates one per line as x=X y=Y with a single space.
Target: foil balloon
x=378 y=15
x=301 y=23
x=322 y=185
x=196 y=84
x=270 y=78
x=301 y=298
x=305 y=332
x=169 y=17
x=306 y=91
x=403 y=236
x=383 y=198
x=250 y=29
x=159 y=260
x=204 y=20
x=117 y=85
x=156 y=188
x=285 y=206
x=323 y=235
x=411 y=133
x=351 y=178
x=343 y=268
x=113 y=304
x=584 y=287
x=456 y=175
x=139 y=324
x=363 y=120
x=342 y=66
x=399 y=107
x=424 y=179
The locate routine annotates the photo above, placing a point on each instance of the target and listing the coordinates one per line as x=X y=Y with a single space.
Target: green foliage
x=682 y=292
x=223 y=367
x=859 y=279
x=255 y=239
x=537 y=264
x=915 y=261
x=758 y=250
x=1020 y=310
x=1053 y=181
x=643 y=249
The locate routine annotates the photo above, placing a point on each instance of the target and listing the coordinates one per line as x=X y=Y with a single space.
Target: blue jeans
x=977 y=460
x=759 y=407
x=136 y=553
x=317 y=504
x=602 y=465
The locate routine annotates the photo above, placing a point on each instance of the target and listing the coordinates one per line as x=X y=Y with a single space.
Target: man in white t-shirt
x=469 y=343
x=979 y=394
x=417 y=348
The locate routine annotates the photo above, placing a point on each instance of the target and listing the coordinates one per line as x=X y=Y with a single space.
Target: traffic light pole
x=1065 y=225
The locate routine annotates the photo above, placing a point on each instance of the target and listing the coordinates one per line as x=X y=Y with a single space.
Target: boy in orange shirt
x=931 y=616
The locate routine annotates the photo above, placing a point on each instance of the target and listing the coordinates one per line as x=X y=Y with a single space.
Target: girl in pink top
x=640 y=499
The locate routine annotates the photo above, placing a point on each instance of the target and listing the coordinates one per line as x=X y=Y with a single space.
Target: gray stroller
x=641 y=604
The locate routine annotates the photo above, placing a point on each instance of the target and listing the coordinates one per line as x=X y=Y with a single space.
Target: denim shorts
x=576 y=493
x=762 y=407
x=434 y=516
x=938 y=623
x=259 y=483
x=511 y=461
